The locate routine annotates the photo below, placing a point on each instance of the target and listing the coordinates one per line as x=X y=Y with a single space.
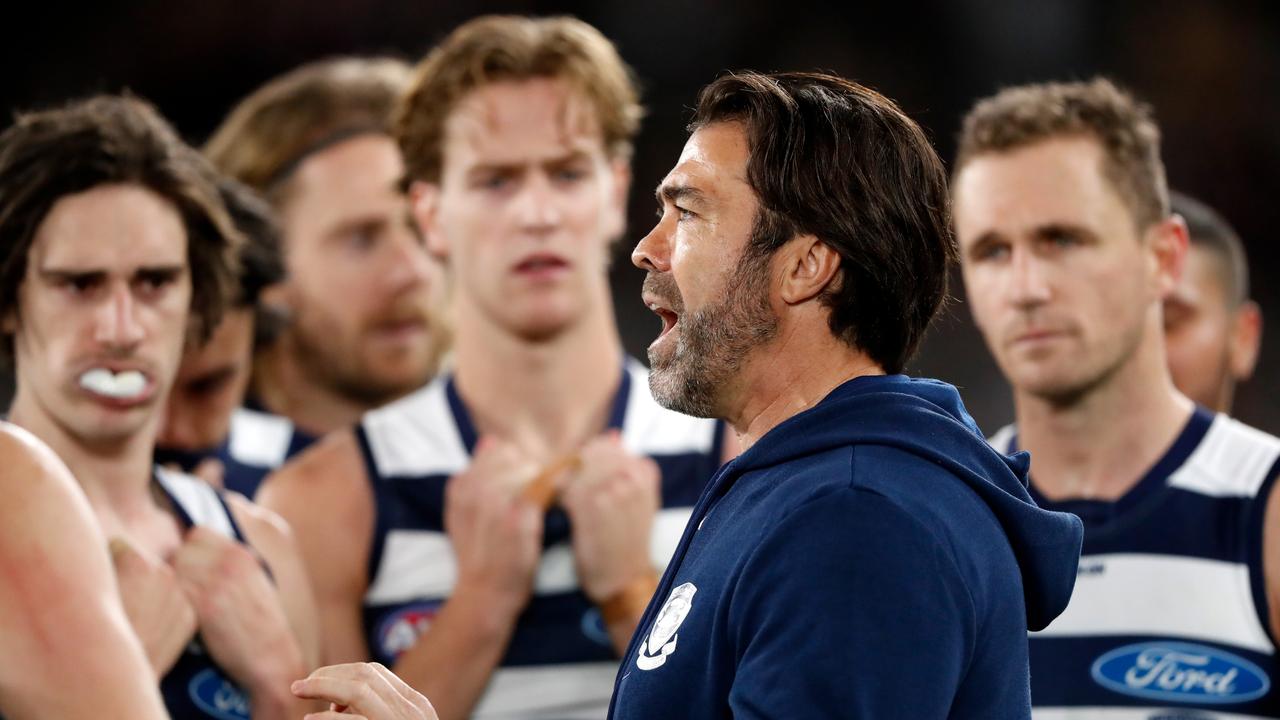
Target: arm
x=257 y=623
x=611 y=502
x=496 y=535
x=324 y=496
x=58 y=602
x=849 y=609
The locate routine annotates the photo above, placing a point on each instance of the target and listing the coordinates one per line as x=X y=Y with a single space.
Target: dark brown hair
x=839 y=161
x=1097 y=109
x=47 y=155
x=273 y=130
x=1210 y=231
x=500 y=48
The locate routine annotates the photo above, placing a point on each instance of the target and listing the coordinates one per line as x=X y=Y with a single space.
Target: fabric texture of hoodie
x=871 y=557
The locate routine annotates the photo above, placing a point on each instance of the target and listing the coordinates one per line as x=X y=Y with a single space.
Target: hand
x=242 y=621
x=158 y=610
x=496 y=532
x=363 y=689
x=611 y=501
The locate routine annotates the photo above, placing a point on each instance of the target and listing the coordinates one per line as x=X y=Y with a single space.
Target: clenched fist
x=242 y=622
x=496 y=532
x=161 y=616
x=611 y=500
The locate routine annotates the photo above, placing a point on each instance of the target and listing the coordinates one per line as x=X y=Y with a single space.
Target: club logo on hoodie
x=661 y=641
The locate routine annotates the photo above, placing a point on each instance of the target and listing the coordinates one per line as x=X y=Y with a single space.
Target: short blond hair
x=1097 y=109
x=498 y=48
x=269 y=133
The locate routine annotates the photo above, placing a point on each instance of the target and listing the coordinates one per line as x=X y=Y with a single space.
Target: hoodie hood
x=872 y=410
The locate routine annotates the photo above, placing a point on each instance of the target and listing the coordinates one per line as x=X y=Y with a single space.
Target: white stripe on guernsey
x=1131 y=713
x=1168 y=596
x=1232 y=460
x=650 y=429
x=198 y=499
x=1003 y=438
x=571 y=691
x=259 y=439
x=419 y=564
x=416 y=435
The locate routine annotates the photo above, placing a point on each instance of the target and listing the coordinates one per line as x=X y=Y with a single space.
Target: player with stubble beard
x=361 y=299
x=1069 y=251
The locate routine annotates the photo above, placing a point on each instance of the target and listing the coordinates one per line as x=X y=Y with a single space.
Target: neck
x=548 y=396
x=115 y=475
x=1100 y=445
x=283 y=385
x=788 y=376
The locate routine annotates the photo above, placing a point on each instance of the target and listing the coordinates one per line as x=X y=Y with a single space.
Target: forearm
x=623 y=610
x=452 y=662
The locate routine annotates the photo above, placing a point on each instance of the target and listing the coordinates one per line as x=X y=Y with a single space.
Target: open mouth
x=124 y=386
x=669 y=319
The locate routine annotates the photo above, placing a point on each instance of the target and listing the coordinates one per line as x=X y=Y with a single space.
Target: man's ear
x=1245 y=340
x=424 y=206
x=808 y=266
x=1169 y=241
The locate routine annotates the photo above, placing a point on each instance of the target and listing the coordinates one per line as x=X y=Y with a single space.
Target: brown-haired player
x=361 y=295
x=1069 y=250
x=115 y=251
x=425 y=528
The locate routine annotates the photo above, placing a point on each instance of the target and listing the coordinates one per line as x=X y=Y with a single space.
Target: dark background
x=1211 y=70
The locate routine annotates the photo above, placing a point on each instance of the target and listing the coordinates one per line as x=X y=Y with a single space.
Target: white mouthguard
x=102 y=381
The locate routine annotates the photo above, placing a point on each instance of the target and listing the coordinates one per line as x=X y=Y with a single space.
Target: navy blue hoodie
x=871 y=557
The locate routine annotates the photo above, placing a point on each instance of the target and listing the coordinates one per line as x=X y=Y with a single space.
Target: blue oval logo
x=1180 y=672
x=217 y=696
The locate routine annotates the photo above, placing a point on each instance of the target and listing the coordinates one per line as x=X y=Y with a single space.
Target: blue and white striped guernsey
x=1169 y=618
x=257 y=444
x=560 y=662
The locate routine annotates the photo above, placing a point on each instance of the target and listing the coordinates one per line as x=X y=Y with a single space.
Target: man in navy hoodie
x=868 y=555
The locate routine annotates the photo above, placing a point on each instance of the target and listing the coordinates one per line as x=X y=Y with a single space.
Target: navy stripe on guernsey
x=560 y=662
x=258 y=443
x=196 y=687
x=1169 y=617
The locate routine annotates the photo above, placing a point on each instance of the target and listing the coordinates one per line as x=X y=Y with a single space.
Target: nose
x=538 y=206
x=117 y=323
x=410 y=264
x=1029 y=281
x=653 y=252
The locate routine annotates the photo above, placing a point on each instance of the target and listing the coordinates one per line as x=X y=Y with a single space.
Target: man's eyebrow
x=676 y=193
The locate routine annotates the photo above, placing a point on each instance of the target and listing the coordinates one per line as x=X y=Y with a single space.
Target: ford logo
x=217 y=696
x=1180 y=672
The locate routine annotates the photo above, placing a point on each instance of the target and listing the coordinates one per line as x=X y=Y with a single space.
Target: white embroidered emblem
x=662 y=638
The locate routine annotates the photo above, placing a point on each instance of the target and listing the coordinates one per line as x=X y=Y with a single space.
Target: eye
x=990 y=251
x=568 y=175
x=685 y=214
